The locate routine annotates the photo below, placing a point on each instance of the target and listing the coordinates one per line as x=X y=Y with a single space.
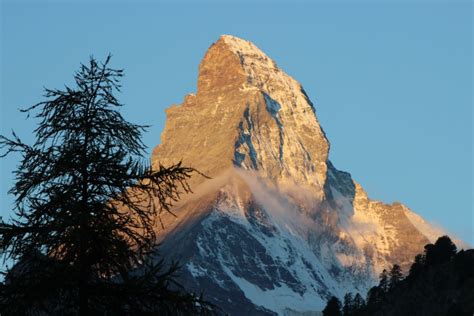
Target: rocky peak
x=247 y=113
x=234 y=63
x=220 y=70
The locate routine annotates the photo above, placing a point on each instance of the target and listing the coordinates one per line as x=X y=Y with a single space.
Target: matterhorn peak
x=249 y=114
x=238 y=63
x=278 y=229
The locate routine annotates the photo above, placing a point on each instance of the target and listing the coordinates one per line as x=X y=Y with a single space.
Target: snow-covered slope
x=278 y=229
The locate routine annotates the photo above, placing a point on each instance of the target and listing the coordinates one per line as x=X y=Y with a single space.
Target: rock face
x=278 y=229
x=247 y=113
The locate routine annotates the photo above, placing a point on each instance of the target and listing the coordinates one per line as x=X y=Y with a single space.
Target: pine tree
x=442 y=251
x=333 y=307
x=86 y=209
x=396 y=276
x=375 y=297
x=358 y=305
x=348 y=308
x=417 y=266
x=383 y=281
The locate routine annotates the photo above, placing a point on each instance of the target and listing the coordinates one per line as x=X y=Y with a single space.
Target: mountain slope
x=278 y=227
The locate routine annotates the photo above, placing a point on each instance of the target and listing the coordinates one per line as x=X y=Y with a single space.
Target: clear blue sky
x=391 y=82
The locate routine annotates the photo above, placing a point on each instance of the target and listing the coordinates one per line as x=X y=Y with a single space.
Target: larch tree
x=86 y=205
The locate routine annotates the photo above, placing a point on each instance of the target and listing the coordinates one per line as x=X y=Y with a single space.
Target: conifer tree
x=358 y=305
x=443 y=250
x=333 y=307
x=383 y=281
x=83 y=236
x=348 y=308
x=417 y=266
x=375 y=297
x=396 y=276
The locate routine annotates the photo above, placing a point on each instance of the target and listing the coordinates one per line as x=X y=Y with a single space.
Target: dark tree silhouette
x=333 y=307
x=86 y=209
x=358 y=305
x=375 y=297
x=353 y=305
x=442 y=251
x=396 y=276
x=348 y=308
x=384 y=281
x=417 y=266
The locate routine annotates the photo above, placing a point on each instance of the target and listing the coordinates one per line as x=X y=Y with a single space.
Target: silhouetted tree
x=333 y=307
x=375 y=297
x=358 y=305
x=442 y=251
x=396 y=276
x=417 y=266
x=86 y=209
x=463 y=263
x=348 y=308
x=384 y=281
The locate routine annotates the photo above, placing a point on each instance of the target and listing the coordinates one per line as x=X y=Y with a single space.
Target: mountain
x=277 y=229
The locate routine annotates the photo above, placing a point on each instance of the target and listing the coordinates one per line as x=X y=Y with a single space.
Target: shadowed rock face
x=278 y=229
